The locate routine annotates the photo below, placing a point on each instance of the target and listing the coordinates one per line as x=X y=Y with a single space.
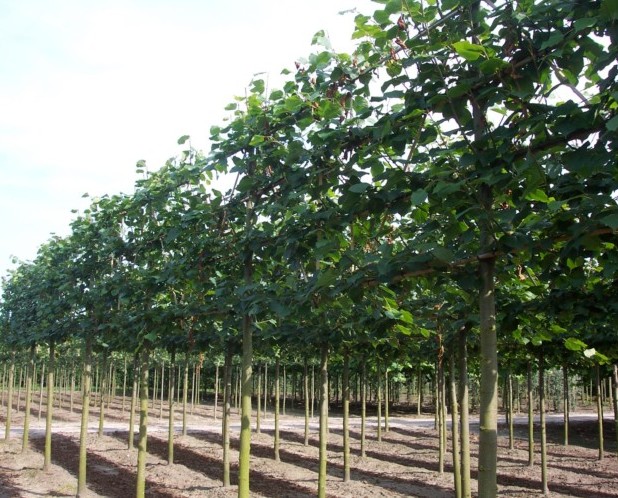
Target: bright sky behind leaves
x=88 y=88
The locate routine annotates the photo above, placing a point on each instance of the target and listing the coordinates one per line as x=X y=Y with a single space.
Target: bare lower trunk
x=323 y=422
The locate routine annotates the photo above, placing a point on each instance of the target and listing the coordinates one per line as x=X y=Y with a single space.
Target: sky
x=88 y=88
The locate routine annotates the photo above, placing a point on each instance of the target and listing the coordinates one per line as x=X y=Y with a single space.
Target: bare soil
x=404 y=463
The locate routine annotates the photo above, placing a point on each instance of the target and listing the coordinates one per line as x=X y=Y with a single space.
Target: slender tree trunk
x=312 y=390
x=544 y=480
x=185 y=389
x=162 y=390
x=259 y=401
x=265 y=388
x=277 y=400
x=9 y=403
x=306 y=388
x=214 y=409
x=42 y=383
x=346 y=417
x=140 y=491
x=363 y=409
x=440 y=407
x=379 y=400
x=50 y=406
x=600 y=412
x=170 y=415
x=419 y=390
x=566 y=408
x=509 y=385
x=124 y=385
x=83 y=435
x=455 y=427
x=285 y=389
x=104 y=382
x=323 y=422
x=29 y=377
x=72 y=388
x=227 y=408
x=133 y=401
x=530 y=396
x=386 y=401
x=466 y=491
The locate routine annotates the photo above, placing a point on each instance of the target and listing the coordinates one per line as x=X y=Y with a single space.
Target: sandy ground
x=404 y=463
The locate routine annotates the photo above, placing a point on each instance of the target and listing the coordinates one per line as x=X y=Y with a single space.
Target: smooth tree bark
x=599 y=399
x=216 y=400
x=50 y=406
x=9 y=403
x=466 y=486
x=440 y=407
x=566 y=403
x=323 y=456
x=615 y=400
x=346 y=416
x=386 y=401
x=379 y=402
x=83 y=435
x=133 y=402
x=455 y=426
x=140 y=490
x=363 y=444
x=258 y=394
x=306 y=393
x=225 y=419
x=509 y=389
x=530 y=396
x=185 y=389
x=544 y=479
x=104 y=382
x=170 y=404
x=277 y=400
x=29 y=377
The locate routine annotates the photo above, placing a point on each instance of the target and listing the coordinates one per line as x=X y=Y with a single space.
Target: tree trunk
x=599 y=412
x=185 y=389
x=162 y=390
x=346 y=417
x=170 y=404
x=245 y=421
x=133 y=401
x=440 y=407
x=50 y=406
x=104 y=382
x=544 y=486
x=419 y=390
x=306 y=388
x=615 y=387
x=83 y=435
x=566 y=408
x=379 y=401
x=277 y=459
x=265 y=388
x=225 y=419
x=259 y=401
x=140 y=490
x=386 y=400
x=29 y=377
x=509 y=385
x=455 y=426
x=9 y=403
x=323 y=422
x=363 y=409
x=124 y=385
x=466 y=491
x=216 y=400
x=42 y=383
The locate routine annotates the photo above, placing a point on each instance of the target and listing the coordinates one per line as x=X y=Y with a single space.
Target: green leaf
x=612 y=124
x=555 y=38
x=231 y=107
x=574 y=344
x=257 y=140
x=359 y=188
x=537 y=195
x=611 y=221
x=418 y=197
x=468 y=51
x=183 y=139
x=589 y=353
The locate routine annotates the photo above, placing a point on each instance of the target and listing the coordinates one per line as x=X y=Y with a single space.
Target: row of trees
x=449 y=183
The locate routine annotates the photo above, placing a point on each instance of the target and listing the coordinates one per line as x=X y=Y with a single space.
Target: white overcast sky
x=88 y=88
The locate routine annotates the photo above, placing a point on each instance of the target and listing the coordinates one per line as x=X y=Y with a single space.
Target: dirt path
x=404 y=463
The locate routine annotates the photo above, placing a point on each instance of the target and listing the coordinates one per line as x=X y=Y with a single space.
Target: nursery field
x=404 y=463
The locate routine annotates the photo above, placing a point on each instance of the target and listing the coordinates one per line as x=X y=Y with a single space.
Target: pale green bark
x=530 y=395
x=509 y=394
x=306 y=389
x=83 y=434
x=140 y=490
x=566 y=404
x=133 y=402
x=379 y=400
x=277 y=459
x=363 y=444
x=50 y=406
x=9 y=403
x=346 y=417
x=599 y=412
x=323 y=458
x=29 y=377
x=455 y=427
x=104 y=382
x=466 y=491
x=185 y=389
x=544 y=485
x=225 y=419
x=170 y=416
